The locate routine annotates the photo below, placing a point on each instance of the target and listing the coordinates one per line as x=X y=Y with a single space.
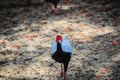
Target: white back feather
x=66 y=46
x=53 y=48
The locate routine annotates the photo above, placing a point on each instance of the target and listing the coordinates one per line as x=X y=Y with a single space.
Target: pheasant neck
x=59 y=48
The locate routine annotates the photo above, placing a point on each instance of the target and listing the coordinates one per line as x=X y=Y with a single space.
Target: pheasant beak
x=59 y=41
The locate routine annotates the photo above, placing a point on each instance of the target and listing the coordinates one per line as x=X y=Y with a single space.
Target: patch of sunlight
x=60 y=22
x=89 y=32
x=35 y=24
x=116 y=57
x=66 y=7
x=7 y=71
x=34 y=69
x=31 y=48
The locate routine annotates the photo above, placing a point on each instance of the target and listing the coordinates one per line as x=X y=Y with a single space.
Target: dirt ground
x=92 y=27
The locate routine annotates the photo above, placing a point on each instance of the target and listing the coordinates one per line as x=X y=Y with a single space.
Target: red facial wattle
x=58 y=38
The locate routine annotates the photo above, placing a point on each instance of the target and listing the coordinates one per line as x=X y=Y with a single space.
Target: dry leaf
x=16 y=45
x=115 y=42
x=88 y=15
x=98 y=77
x=68 y=29
x=3 y=41
x=27 y=36
x=104 y=70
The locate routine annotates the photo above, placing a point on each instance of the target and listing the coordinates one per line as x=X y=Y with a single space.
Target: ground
x=93 y=29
